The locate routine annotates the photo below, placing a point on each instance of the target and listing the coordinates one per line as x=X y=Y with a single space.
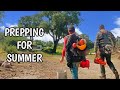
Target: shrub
x=11 y=49
x=48 y=50
x=5 y=46
x=59 y=49
x=13 y=40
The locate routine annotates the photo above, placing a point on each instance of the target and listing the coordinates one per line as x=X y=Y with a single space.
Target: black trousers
x=108 y=60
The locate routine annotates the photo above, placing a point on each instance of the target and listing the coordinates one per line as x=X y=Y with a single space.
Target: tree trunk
x=55 y=46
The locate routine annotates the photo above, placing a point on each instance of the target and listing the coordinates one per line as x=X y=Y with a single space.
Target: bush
x=10 y=43
x=5 y=46
x=11 y=49
x=13 y=40
x=48 y=50
x=49 y=44
x=1 y=50
x=44 y=44
x=59 y=49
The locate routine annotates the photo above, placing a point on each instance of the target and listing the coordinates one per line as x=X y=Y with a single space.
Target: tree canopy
x=55 y=23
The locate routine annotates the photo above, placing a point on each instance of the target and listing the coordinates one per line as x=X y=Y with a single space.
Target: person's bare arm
x=96 y=45
x=63 y=50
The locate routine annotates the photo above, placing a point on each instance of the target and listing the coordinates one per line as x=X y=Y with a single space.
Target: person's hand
x=96 y=55
x=69 y=64
x=62 y=59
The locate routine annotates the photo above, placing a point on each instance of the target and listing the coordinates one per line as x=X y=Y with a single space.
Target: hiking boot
x=103 y=77
x=116 y=75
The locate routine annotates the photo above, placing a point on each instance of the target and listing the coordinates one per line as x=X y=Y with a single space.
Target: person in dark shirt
x=72 y=63
x=104 y=44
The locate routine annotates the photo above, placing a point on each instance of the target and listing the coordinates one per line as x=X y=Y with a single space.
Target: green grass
x=92 y=50
x=59 y=50
x=2 y=54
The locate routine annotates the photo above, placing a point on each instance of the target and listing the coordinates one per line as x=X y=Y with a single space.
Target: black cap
x=71 y=28
x=102 y=26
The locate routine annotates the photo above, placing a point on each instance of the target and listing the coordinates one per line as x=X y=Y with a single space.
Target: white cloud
x=61 y=41
x=11 y=25
x=2 y=27
x=78 y=30
x=117 y=22
x=116 y=32
x=8 y=25
x=47 y=37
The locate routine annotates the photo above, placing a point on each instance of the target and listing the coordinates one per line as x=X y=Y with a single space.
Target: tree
x=90 y=44
x=29 y=22
x=84 y=36
x=55 y=23
x=1 y=36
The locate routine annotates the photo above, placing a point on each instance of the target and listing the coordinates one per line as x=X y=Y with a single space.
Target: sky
x=90 y=25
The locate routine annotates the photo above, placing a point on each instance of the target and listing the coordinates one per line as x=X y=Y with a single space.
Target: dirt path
x=48 y=70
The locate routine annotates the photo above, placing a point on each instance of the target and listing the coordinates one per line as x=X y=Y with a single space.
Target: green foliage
x=5 y=46
x=54 y=23
x=1 y=37
x=57 y=22
x=29 y=21
x=49 y=44
x=59 y=49
x=13 y=40
x=92 y=50
x=90 y=44
x=8 y=49
x=9 y=44
x=11 y=49
x=48 y=50
x=44 y=44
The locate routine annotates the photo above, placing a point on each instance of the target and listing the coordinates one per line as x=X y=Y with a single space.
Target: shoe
x=103 y=77
x=116 y=75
